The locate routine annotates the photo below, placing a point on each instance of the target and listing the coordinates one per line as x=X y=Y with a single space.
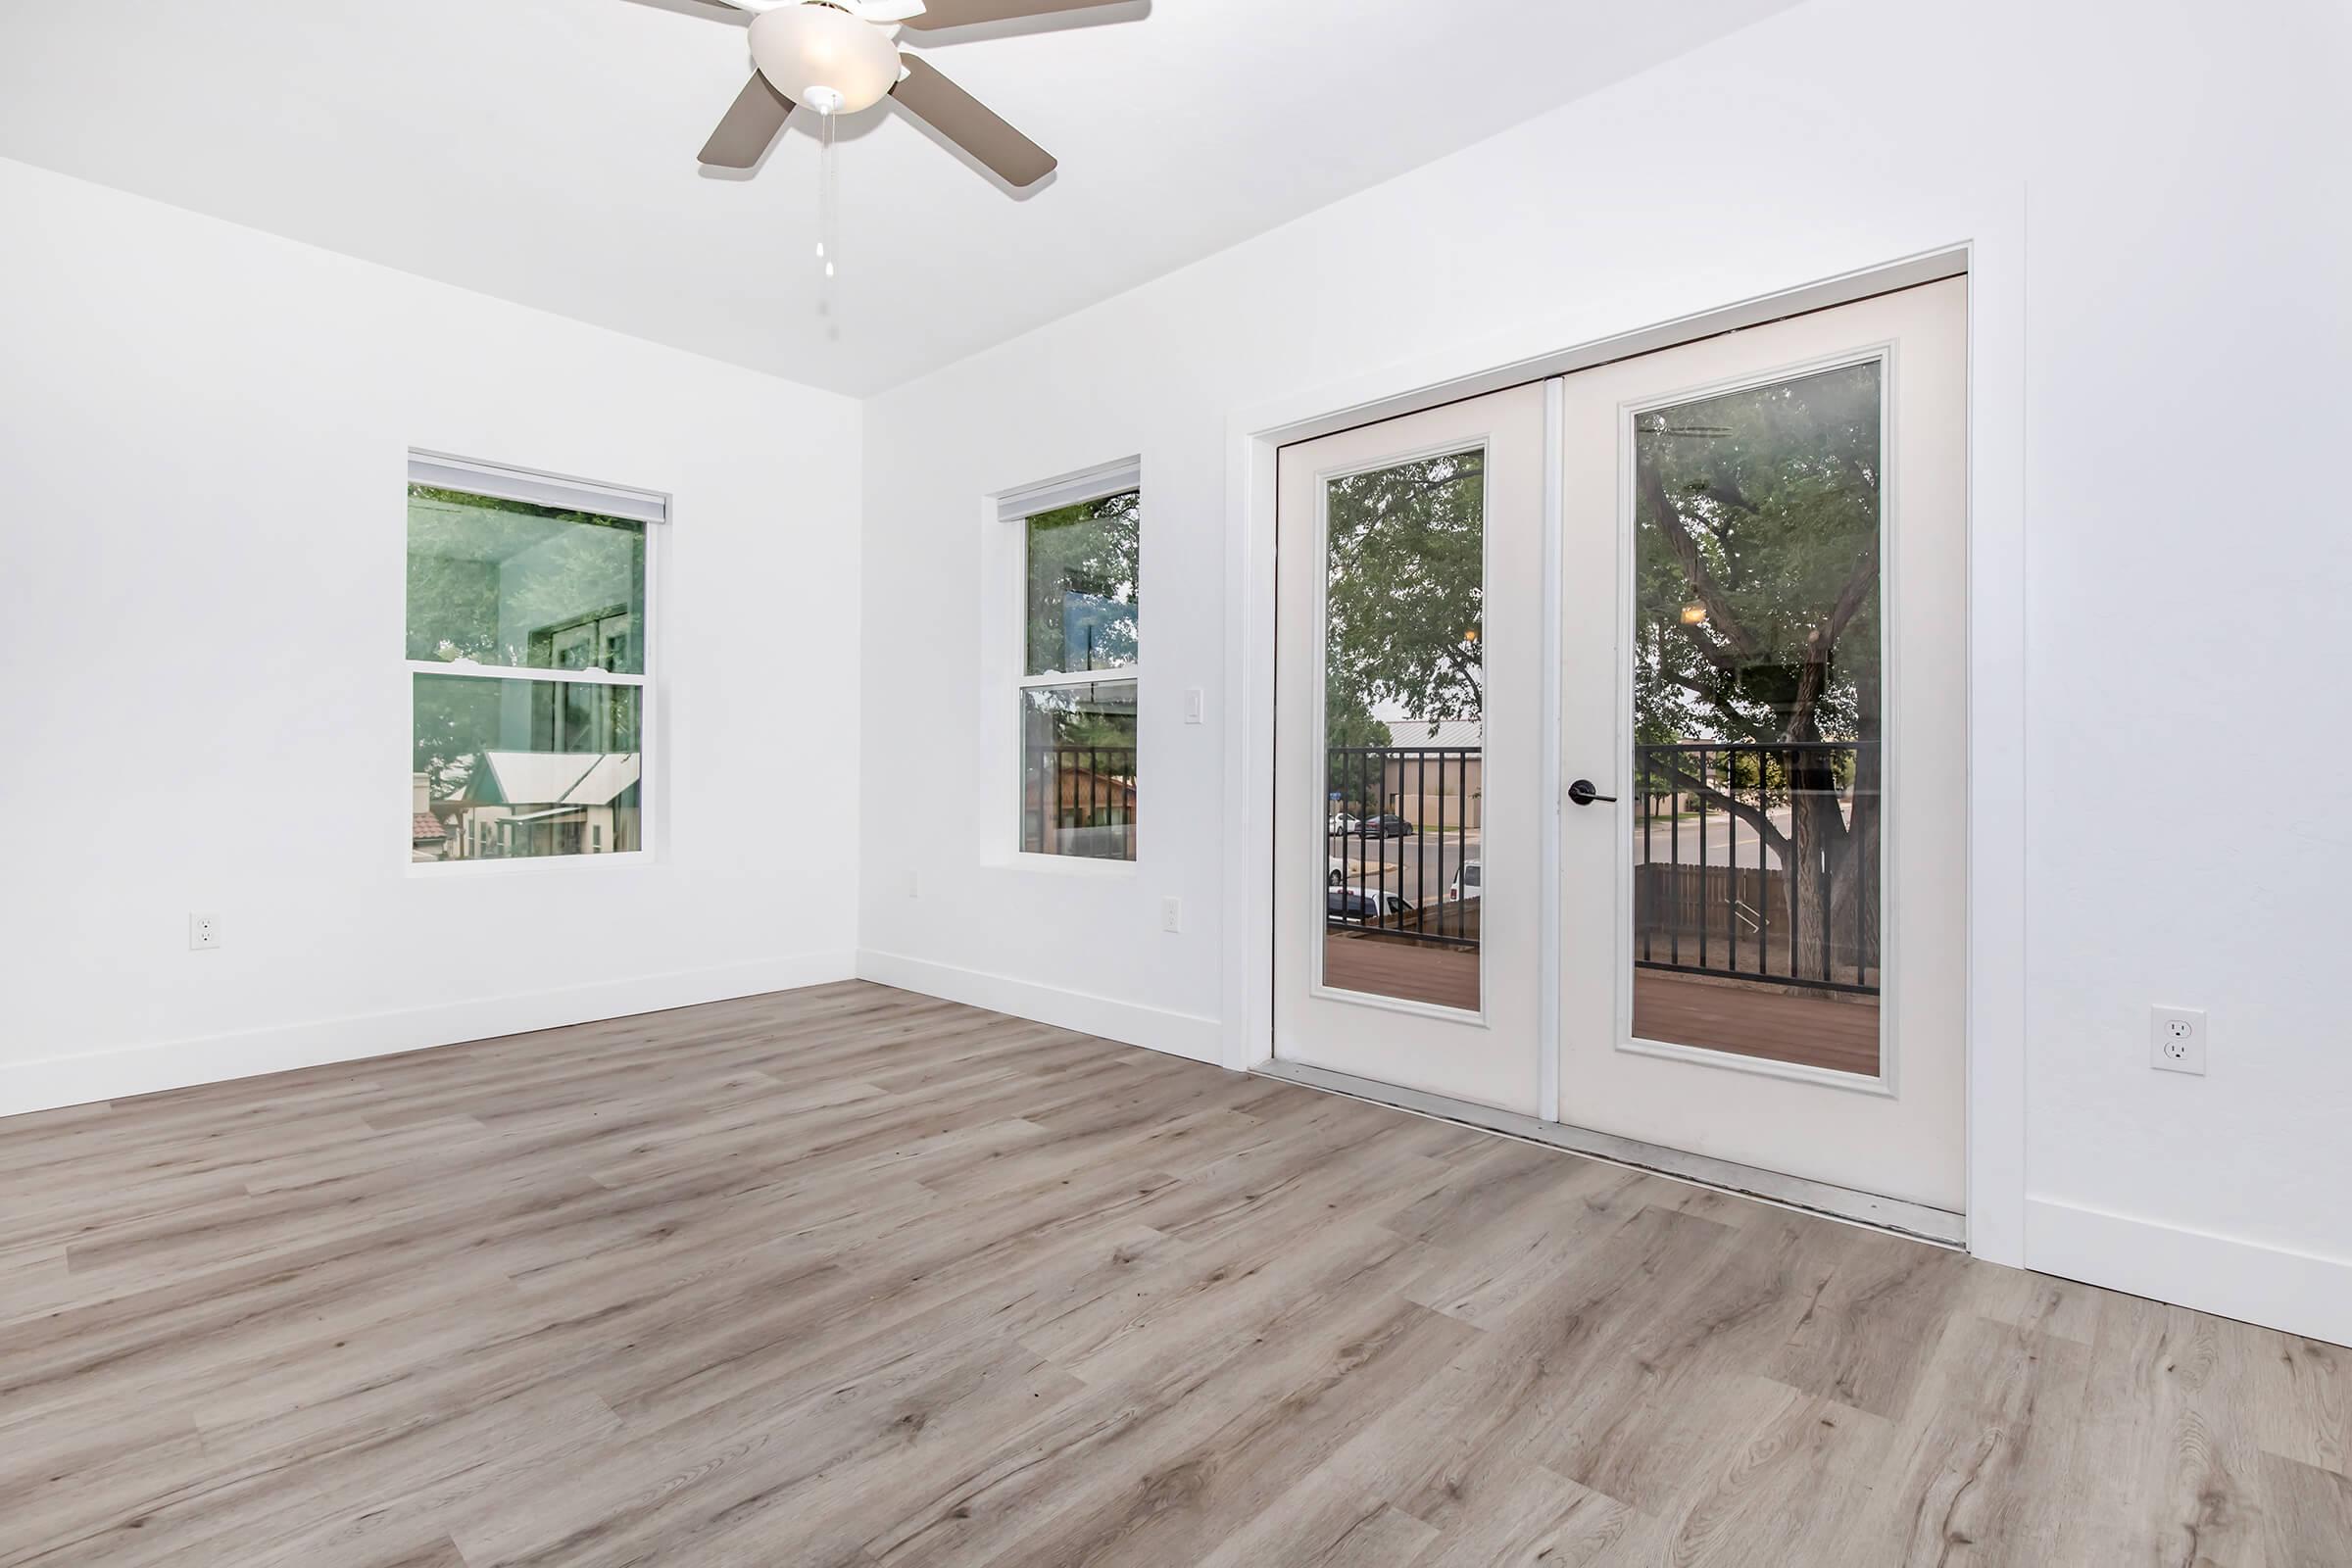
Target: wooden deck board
x=1792 y=1026
x=847 y=1277
x=1839 y=1033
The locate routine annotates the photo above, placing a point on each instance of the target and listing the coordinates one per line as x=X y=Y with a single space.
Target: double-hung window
x=529 y=630
x=1081 y=555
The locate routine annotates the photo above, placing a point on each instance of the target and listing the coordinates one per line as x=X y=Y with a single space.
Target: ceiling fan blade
x=751 y=124
x=963 y=13
x=970 y=124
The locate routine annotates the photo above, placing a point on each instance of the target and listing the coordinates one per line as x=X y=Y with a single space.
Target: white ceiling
x=543 y=151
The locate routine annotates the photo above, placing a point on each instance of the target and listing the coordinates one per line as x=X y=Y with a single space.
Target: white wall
x=2170 y=180
x=203 y=437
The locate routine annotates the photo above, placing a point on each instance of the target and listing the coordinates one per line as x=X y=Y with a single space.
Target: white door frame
x=1993 y=257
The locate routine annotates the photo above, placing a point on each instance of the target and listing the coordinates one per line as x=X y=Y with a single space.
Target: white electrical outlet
x=2177 y=1040
x=1171 y=914
x=204 y=932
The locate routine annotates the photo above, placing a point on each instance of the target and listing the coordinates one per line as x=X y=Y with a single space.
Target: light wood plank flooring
x=847 y=1276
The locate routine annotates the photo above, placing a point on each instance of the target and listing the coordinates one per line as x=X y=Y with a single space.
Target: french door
x=1760 y=749
x=1409 y=719
x=1762 y=936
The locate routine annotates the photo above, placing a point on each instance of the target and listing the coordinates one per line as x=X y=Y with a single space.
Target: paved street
x=1419 y=867
x=1729 y=842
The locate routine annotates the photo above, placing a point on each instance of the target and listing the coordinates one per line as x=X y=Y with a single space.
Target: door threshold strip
x=1915 y=1221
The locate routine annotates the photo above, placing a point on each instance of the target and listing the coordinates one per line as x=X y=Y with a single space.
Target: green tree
x=1099 y=716
x=1757 y=593
x=1406 y=566
x=1405 y=569
x=1348 y=723
x=1082 y=571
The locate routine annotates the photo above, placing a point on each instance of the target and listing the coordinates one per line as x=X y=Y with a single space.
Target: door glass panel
x=1402 y=708
x=1757 y=805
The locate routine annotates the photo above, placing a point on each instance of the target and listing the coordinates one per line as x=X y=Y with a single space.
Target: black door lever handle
x=1583 y=793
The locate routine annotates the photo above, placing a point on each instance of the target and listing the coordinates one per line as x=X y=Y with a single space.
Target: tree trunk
x=1816 y=826
x=1855 y=881
x=1819 y=845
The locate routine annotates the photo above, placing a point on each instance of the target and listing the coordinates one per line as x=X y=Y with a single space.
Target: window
x=1079 y=673
x=528 y=676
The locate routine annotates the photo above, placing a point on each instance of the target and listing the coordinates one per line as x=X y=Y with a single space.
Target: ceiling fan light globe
x=816 y=53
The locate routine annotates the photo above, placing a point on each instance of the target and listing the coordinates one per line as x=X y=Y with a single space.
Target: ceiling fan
x=841 y=56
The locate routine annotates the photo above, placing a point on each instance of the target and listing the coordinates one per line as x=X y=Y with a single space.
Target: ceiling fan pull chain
x=829 y=203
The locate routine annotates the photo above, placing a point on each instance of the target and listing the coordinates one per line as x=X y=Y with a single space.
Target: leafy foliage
x=1082 y=580
x=1096 y=717
x=1083 y=574
x=1756 y=578
x=1405 y=548
x=1757 y=517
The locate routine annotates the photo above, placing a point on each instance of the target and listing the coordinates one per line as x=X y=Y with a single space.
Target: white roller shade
x=1094 y=483
x=539 y=489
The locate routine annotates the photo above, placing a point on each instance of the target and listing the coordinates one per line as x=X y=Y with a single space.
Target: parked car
x=1465 y=882
x=1386 y=826
x=1338 y=871
x=1341 y=822
x=1360 y=909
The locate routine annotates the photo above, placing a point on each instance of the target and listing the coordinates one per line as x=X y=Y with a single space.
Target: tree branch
x=1813 y=675
x=1688 y=782
x=1858 y=584
x=1731 y=495
x=1695 y=567
x=1709 y=647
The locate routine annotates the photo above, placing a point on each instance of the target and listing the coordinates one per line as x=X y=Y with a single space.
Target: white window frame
x=1010 y=514
x=561 y=492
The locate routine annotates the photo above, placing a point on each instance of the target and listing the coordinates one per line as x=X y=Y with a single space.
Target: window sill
x=1080 y=865
x=530 y=865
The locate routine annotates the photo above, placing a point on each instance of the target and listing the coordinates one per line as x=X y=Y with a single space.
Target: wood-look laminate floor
x=847 y=1277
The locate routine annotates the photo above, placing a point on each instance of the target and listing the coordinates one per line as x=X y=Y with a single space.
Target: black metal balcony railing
x=1404 y=840
x=1759 y=861
x=1755 y=861
x=1078 y=800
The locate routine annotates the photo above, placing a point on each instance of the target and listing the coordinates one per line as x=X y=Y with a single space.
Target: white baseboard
x=53 y=1081
x=1180 y=1034
x=2299 y=1292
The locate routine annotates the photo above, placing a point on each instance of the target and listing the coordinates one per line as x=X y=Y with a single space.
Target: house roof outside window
x=551 y=778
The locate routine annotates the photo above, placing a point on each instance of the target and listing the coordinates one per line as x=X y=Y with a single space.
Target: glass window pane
x=508 y=769
x=1756 y=695
x=1083 y=564
x=505 y=582
x=1403 y=712
x=1078 y=770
